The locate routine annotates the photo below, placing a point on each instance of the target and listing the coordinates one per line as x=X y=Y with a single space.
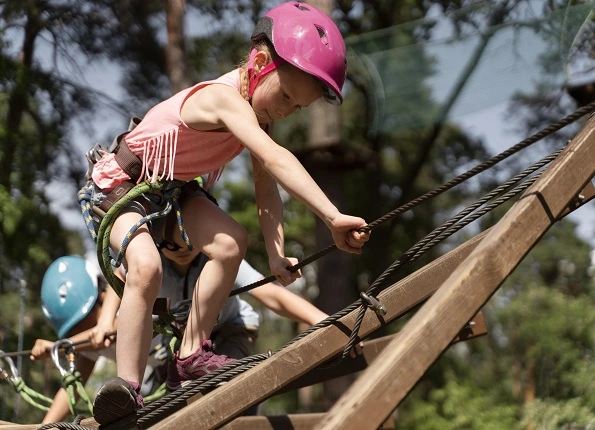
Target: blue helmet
x=68 y=292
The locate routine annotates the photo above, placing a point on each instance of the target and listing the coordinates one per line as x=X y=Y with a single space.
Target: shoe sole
x=115 y=406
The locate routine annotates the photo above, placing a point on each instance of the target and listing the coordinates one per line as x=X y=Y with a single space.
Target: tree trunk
x=336 y=291
x=17 y=103
x=175 y=53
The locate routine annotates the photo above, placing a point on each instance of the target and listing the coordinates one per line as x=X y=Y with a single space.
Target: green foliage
x=459 y=405
x=537 y=356
x=551 y=414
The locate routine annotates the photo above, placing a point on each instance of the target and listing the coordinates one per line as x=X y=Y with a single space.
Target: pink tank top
x=170 y=149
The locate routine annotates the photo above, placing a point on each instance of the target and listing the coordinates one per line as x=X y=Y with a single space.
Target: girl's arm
x=219 y=106
x=107 y=322
x=278 y=299
x=270 y=217
x=287 y=304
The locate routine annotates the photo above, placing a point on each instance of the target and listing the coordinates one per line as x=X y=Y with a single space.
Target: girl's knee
x=233 y=244
x=144 y=274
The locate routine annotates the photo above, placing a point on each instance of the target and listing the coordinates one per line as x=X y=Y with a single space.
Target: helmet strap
x=254 y=78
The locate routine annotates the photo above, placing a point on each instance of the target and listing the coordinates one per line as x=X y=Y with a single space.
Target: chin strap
x=255 y=78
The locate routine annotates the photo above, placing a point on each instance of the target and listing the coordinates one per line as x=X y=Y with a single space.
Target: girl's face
x=282 y=92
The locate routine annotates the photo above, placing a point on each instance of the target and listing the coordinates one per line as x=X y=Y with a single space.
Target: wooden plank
x=228 y=401
x=280 y=422
x=372 y=348
x=285 y=422
x=6 y=425
x=382 y=387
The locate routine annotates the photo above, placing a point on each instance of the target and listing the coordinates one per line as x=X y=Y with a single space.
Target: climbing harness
x=107 y=210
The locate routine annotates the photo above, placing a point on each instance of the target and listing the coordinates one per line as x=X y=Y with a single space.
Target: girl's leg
x=224 y=241
x=143 y=280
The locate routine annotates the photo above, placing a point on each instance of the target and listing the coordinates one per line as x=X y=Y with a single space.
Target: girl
x=298 y=56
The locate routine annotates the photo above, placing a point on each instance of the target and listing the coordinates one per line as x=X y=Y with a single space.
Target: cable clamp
x=373 y=303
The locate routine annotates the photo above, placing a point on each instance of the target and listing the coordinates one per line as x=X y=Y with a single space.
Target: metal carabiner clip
x=14 y=373
x=68 y=345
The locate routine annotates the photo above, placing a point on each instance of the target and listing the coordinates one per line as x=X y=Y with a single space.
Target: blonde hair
x=244 y=78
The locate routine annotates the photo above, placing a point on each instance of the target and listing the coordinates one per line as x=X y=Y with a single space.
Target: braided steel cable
x=450 y=227
x=552 y=128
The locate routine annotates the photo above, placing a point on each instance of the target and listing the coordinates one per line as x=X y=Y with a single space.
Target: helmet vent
x=301 y=6
x=322 y=35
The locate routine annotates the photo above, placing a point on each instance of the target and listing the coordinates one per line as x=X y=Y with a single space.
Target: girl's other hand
x=279 y=267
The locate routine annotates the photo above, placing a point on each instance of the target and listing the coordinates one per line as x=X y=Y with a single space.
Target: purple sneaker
x=203 y=361
x=116 y=404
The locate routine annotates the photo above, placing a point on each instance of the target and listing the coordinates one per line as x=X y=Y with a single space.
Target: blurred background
x=434 y=87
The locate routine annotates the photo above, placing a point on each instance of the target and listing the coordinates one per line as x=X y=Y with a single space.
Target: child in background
x=298 y=56
x=77 y=304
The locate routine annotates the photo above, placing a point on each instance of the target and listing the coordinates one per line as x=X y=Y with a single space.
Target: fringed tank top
x=171 y=150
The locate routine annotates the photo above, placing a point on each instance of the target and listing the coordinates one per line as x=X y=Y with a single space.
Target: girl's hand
x=41 y=349
x=344 y=229
x=279 y=267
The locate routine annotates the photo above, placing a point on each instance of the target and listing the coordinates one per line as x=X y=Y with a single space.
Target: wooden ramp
x=255 y=385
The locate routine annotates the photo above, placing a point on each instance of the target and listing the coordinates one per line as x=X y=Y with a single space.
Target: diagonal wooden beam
x=372 y=349
x=381 y=388
x=286 y=422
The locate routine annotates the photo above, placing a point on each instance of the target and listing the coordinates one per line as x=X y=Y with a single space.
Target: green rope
x=29 y=395
x=159 y=393
x=73 y=383
x=170 y=191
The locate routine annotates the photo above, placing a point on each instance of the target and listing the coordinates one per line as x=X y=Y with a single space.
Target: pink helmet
x=308 y=39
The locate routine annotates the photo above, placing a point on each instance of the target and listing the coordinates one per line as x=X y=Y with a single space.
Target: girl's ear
x=261 y=60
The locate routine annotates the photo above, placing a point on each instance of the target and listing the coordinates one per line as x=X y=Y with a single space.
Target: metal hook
x=68 y=345
x=373 y=303
x=13 y=369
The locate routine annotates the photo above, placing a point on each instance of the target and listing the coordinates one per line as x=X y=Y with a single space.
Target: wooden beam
x=372 y=348
x=382 y=387
x=228 y=401
x=285 y=422
x=7 y=425
x=280 y=422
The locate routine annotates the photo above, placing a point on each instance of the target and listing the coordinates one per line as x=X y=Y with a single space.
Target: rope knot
x=18 y=384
